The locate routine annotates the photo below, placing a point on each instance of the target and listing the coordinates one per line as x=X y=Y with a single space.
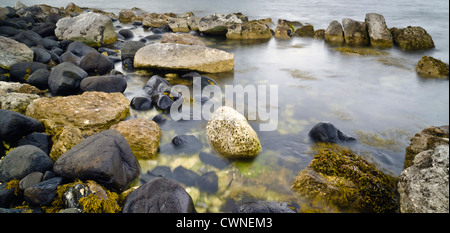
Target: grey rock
x=378 y=31
x=65 y=79
x=42 y=193
x=334 y=33
x=12 y=52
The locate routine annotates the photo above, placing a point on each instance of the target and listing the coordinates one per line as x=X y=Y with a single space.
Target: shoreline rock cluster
x=66 y=146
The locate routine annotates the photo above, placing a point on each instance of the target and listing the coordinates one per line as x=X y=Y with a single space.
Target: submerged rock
x=327 y=132
x=229 y=133
x=412 y=38
x=91 y=112
x=92 y=29
x=12 y=52
x=379 y=34
x=432 y=68
x=184 y=57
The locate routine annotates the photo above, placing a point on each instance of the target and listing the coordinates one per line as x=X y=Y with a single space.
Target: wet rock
x=156 y=85
x=128 y=51
x=141 y=103
x=184 y=57
x=42 y=193
x=334 y=33
x=142 y=135
x=412 y=38
x=44 y=29
x=186 y=39
x=319 y=34
x=22 y=161
x=126 y=33
x=70 y=57
x=15 y=126
x=285 y=29
x=432 y=68
x=159 y=195
x=65 y=79
x=79 y=48
x=217 y=24
x=48 y=44
x=214 y=160
x=355 y=32
x=338 y=176
x=21 y=71
x=108 y=83
x=189 y=144
x=250 y=30
x=41 y=55
x=30 y=180
x=91 y=112
x=92 y=29
x=126 y=16
x=378 y=32
x=95 y=63
x=12 y=52
x=39 y=78
x=305 y=31
x=229 y=133
x=185 y=176
x=41 y=140
x=162 y=102
x=64 y=139
x=105 y=158
x=264 y=207
x=208 y=182
x=29 y=38
x=73 y=195
x=327 y=132
x=159 y=119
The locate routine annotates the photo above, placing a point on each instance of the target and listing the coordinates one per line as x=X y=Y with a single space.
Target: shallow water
x=380 y=100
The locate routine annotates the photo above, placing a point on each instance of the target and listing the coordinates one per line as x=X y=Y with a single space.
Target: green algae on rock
x=432 y=68
x=360 y=51
x=339 y=177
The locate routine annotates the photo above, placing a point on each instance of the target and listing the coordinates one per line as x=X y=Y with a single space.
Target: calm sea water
x=380 y=100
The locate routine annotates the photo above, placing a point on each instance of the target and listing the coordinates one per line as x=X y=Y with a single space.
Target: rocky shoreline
x=66 y=146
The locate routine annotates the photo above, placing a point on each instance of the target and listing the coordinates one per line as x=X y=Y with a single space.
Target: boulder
x=305 y=31
x=185 y=176
x=338 y=177
x=179 y=25
x=39 y=78
x=184 y=57
x=126 y=16
x=213 y=160
x=91 y=112
x=424 y=186
x=41 y=140
x=42 y=193
x=327 y=132
x=208 y=182
x=21 y=71
x=141 y=103
x=229 y=133
x=217 y=24
x=355 y=32
x=254 y=29
x=12 y=52
x=142 y=135
x=319 y=34
x=156 y=20
x=30 y=180
x=126 y=33
x=29 y=38
x=79 y=48
x=432 y=68
x=285 y=29
x=90 y=28
x=159 y=195
x=379 y=34
x=22 y=161
x=264 y=207
x=130 y=48
x=334 y=33
x=15 y=126
x=65 y=79
x=105 y=158
x=41 y=55
x=412 y=38
x=107 y=83
x=157 y=85
x=14 y=97
x=95 y=63
x=64 y=139
x=186 y=39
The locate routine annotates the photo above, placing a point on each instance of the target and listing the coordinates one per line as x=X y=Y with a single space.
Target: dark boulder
x=126 y=33
x=48 y=43
x=187 y=143
x=42 y=193
x=130 y=48
x=108 y=84
x=264 y=207
x=185 y=176
x=214 y=160
x=44 y=29
x=29 y=38
x=21 y=71
x=79 y=48
x=41 y=55
x=327 y=132
x=204 y=81
x=162 y=101
x=70 y=57
x=65 y=79
x=15 y=125
x=41 y=140
x=141 y=103
x=22 y=161
x=156 y=85
x=105 y=158
x=95 y=63
x=39 y=78
x=208 y=182
x=159 y=195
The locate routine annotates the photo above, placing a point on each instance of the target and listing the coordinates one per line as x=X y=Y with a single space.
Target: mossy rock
x=360 y=51
x=412 y=38
x=339 y=177
x=432 y=68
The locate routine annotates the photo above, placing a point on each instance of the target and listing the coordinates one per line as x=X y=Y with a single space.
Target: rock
x=327 y=132
x=214 y=160
x=179 y=25
x=156 y=85
x=73 y=195
x=12 y=97
x=108 y=83
x=70 y=57
x=42 y=193
x=285 y=29
x=15 y=126
x=45 y=29
x=48 y=44
x=95 y=63
x=142 y=135
x=378 y=32
x=141 y=103
x=432 y=68
x=105 y=158
x=185 y=176
x=126 y=16
x=39 y=78
x=12 y=52
x=188 y=144
x=428 y=139
x=156 y=20
x=21 y=71
x=334 y=33
x=412 y=38
x=29 y=38
x=186 y=39
x=355 y=32
x=22 y=161
x=424 y=186
x=91 y=112
x=130 y=48
x=159 y=119
x=208 y=182
x=92 y=29
x=64 y=139
x=72 y=8
x=217 y=24
x=319 y=34
x=305 y=31
x=251 y=30
x=41 y=140
x=30 y=180
x=79 y=48
x=41 y=55
x=65 y=79
x=162 y=101
x=184 y=57
x=338 y=176
x=264 y=207
x=126 y=33
x=159 y=195
x=229 y=133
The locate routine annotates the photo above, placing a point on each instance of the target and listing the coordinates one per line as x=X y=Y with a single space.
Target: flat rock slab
x=184 y=58
x=91 y=112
